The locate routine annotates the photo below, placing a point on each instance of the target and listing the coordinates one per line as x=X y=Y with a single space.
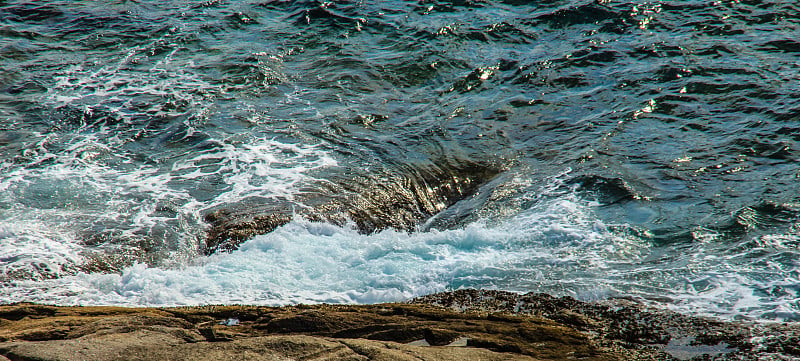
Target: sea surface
x=650 y=150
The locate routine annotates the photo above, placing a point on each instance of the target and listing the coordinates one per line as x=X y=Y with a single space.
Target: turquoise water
x=649 y=149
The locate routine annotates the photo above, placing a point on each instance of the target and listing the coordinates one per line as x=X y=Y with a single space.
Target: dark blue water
x=648 y=149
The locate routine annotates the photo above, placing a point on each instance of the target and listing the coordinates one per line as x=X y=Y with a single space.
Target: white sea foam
x=306 y=262
x=556 y=245
x=739 y=281
x=87 y=181
x=62 y=198
x=83 y=183
x=35 y=251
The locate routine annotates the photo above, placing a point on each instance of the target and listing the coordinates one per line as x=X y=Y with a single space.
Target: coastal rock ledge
x=461 y=325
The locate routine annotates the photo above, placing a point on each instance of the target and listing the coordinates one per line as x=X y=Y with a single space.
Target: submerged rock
x=400 y=199
x=461 y=325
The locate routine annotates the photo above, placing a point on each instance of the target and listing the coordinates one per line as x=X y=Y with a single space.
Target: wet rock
x=231 y=227
x=635 y=330
x=400 y=199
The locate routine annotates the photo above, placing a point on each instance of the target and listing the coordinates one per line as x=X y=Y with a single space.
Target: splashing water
x=649 y=149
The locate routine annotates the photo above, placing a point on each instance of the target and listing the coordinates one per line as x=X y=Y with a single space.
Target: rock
x=376 y=332
x=440 y=337
x=146 y=346
x=231 y=227
x=400 y=199
x=134 y=345
x=488 y=325
x=633 y=330
x=387 y=351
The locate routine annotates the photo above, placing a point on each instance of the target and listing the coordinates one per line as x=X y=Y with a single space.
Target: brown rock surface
x=461 y=326
x=148 y=345
x=322 y=332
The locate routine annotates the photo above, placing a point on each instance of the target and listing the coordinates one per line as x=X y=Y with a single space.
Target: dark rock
x=26 y=310
x=231 y=227
x=401 y=333
x=211 y=335
x=400 y=199
x=440 y=337
x=313 y=322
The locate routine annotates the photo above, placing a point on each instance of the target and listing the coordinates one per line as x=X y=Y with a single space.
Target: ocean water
x=649 y=149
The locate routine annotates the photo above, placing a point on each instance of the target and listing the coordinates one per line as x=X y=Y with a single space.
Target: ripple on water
x=675 y=124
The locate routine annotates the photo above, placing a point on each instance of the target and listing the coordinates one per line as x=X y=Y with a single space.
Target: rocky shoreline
x=459 y=325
